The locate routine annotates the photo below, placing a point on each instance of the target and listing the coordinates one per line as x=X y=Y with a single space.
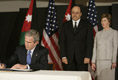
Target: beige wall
x=15 y=5
x=12 y=6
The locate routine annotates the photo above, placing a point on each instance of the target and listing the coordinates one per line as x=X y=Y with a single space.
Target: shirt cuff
x=28 y=67
x=63 y=57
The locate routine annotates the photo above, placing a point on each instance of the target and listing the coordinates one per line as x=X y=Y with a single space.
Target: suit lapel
x=24 y=55
x=71 y=26
x=35 y=54
x=79 y=26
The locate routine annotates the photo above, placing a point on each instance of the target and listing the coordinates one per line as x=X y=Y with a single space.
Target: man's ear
x=81 y=13
x=36 y=42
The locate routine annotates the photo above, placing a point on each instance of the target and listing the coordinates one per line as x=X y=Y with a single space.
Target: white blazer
x=105 y=45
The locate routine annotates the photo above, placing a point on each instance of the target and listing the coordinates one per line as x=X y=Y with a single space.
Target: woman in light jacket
x=105 y=50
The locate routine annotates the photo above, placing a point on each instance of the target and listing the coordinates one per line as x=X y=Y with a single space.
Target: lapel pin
x=36 y=54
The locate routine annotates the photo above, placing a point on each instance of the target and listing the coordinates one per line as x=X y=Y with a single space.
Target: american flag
x=92 y=15
x=51 y=35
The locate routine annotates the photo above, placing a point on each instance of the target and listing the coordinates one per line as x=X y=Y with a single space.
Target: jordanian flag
x=28 y=21
x=67 y=16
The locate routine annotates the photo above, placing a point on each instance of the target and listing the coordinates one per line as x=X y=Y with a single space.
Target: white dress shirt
x=77 y=23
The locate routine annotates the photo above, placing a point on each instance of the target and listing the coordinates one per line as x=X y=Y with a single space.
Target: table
x=45 y=75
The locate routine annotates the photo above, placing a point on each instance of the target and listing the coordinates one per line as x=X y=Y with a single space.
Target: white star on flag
x=28 y=18
x=67 y=17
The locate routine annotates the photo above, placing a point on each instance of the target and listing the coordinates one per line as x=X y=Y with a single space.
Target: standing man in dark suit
x=30 y=55
x=76 y=42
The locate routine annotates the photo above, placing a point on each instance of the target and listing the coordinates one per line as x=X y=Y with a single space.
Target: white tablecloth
x=45 y=75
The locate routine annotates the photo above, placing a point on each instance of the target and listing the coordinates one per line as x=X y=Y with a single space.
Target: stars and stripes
x=51 y=35
x=92 y=15
x=51 y=24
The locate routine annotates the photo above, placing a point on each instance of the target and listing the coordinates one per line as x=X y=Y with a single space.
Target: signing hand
x=19 y=66
x=2 y=66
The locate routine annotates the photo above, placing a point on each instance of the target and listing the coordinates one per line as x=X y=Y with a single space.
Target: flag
x=92 y=15
x=34 y=24
x=68 y=12
x=27 y=22
x=67 y=16
x=51 y=35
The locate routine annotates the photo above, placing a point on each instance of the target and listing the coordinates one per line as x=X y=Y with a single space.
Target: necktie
x=75 y=27
x=29 y=57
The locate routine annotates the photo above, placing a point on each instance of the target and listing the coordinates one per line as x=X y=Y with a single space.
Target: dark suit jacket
x=79 y=43
x=39 y=58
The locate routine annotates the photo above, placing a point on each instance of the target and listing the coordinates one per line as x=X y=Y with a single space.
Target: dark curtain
x=8 y=33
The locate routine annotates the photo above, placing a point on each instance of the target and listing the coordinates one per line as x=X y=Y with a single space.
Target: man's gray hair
x=33 y=33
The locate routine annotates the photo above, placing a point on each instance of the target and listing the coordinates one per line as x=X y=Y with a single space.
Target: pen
x=0 y=63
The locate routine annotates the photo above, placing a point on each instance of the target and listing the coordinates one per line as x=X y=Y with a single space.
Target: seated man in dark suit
x=30 y=55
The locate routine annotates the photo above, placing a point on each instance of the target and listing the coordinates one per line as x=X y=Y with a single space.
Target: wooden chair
x=51 y=66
